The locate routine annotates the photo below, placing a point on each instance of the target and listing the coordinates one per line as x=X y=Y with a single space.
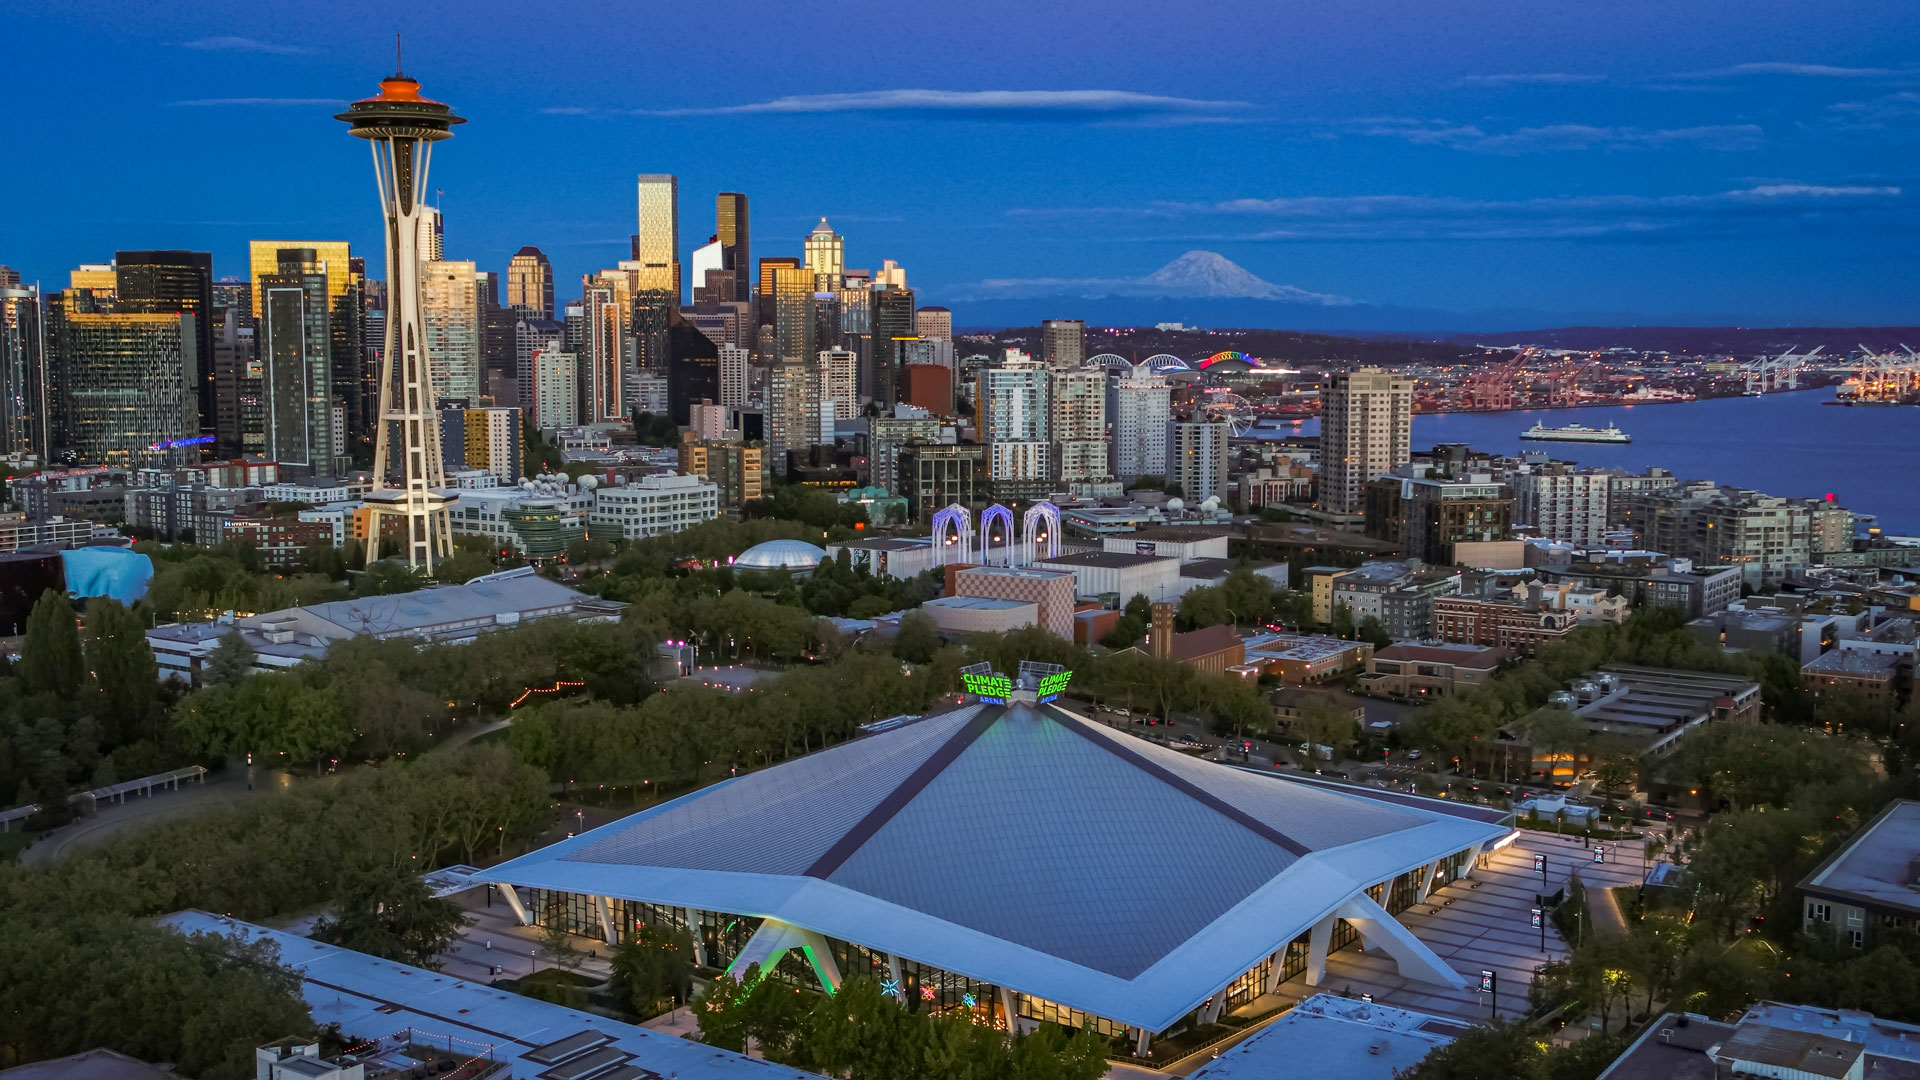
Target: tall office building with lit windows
x=131 y=395
x=730 y=228
x=295 y=360
x=530 y=282
x=793 y=322
x=893 y=322
x=826 y=256
x=23 y=370
x=1063 y=343
x=174 y=282
x=346 y=318
x=658 y=247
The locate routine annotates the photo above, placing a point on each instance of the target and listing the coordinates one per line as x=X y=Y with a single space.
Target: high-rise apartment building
x=734 y=468
x=1562 y=502
x=933 y=322
x=733 y=376
x=175 y=282
x=295 y=360
x=1366 y=428
x=23 y=370
x=1012 y=412
x=1139 y=404
x=431 y=242
x=893 y=324
x=450 y=308
x=493 y=442
x=792 y=424
x=730 y=228
x=826 y=256
x=1063 y=343
x=530 y=282
x=1079 y=424
x=604 y=306
x=131 y=393
x=556 y=392
x=839 y=381
x=1197 y=458
x=658 y=248
x=531 y=334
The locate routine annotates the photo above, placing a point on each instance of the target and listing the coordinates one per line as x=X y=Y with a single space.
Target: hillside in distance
x=1287 y=347
x=1702 y=340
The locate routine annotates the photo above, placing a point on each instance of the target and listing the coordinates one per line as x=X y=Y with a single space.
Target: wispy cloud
x=1531 y=78
x=264 y=102
x=1425 y=217
x=241 y=44
x=1789 y=68
x=1552 y=138
x=973 y=104
x=1878 y=114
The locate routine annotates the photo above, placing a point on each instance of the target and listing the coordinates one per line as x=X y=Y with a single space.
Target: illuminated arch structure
x=991 y=514
x=1112 y=362
x=1165 y=362
x=1042 y=513
x=956 y=518
x=1229 y=354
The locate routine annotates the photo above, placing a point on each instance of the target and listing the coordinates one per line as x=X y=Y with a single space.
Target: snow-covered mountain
x=1212 y=275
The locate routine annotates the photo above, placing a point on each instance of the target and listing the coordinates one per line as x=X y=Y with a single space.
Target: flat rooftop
x=1874 y=867
x=366 y=995
x=1298 y=647
x=976 y=603
x=1844 y=661
x=1672 y=1048
x=1331 y=1036
x=1110 y=560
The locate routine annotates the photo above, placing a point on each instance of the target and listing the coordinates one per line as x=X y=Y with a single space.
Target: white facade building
x=649 y=393
x=556 y=389
x=652 y=506
x=1139 y=403
x=733 y=376
x=838 y=372
x=1008 y=460
x=1080 y=424
x=1563 y=503
x=450 y=311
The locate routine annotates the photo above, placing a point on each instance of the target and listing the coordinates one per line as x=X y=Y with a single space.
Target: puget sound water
x=1783 y=444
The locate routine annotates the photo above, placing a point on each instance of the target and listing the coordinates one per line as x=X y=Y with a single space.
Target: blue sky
x=1749 y=161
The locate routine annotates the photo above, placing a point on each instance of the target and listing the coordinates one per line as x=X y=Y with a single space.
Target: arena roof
x=1021 y=845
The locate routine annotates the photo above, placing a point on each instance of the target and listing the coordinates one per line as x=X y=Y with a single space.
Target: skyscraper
x=793 y=321
x=1366 y=428
x=839 y=381
x=893 y=323
x=433 y=235
x=709 y=265
x=403 y=126
x=1197 y=458
x=1063 y=343
x=733 y=377
x=296 y=371
x=236 y=372
x=603 y=306
x=693 y=368
x=1079 y=422
x=826 y=256
x=346 y=315
x=1139 y=403
x=450 y=314
x=175 y=281
x=770 y=266
x=23 y=370
x=658 y=248
x=131 y=398
x=530 y=282
x=933 y=322
x=730 y=228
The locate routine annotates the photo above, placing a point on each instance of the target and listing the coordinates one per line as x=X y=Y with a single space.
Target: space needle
x=402 y=127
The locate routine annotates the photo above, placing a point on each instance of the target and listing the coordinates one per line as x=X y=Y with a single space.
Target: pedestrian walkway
x=1483 y=923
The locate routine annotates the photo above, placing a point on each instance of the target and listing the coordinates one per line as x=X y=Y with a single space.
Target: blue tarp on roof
x=107 y=571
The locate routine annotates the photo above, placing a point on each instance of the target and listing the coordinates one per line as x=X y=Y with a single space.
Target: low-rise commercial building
x=1050 y=591
x=1871 y=884
x=1306 y=658
x=1120 y=576
x=1875 y=674
x=1410 y=670
x=981 y=614
x=652 y=506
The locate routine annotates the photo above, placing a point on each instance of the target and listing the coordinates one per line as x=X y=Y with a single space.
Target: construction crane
x=1887 y=378
x=1766 y=374
x=1492 y=386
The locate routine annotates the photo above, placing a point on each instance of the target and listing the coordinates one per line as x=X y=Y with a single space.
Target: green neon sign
x=987 y=685
x=1053 y=685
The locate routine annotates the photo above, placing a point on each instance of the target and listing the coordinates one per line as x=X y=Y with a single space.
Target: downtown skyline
x=1674 y=167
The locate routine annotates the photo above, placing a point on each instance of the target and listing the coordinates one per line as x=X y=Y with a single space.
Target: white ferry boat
x=1576 y=433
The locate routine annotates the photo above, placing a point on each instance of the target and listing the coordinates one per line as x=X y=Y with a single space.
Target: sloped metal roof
x=1021 y=845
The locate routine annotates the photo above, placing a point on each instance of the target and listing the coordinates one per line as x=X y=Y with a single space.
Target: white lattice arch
x=1004 y=516
x=958 y=548
x=1042 y=513
x=1165 y=362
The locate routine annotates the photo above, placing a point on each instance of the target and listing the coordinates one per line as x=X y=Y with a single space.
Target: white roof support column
x=1430 y=880
x=513 y=901
x=771 y=942
x=604 y=912
x=1318 y=939
x=697 y=924
x=1383 y=931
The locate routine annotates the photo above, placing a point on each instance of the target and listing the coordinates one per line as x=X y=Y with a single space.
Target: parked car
x=1413 y=755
